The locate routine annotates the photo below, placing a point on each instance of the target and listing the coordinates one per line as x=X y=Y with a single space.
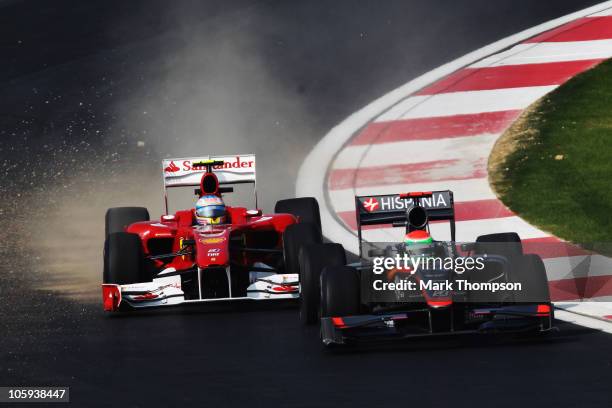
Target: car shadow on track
x=206 y=309
x=565 y=334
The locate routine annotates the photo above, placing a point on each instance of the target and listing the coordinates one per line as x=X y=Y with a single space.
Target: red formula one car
x=175 y=260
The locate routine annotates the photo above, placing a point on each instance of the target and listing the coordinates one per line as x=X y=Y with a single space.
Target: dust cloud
x=204 y=88
x=212 y=91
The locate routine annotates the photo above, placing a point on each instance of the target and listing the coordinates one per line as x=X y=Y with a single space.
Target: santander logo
x=171 y=168
x=238 y=163
x=371 y=204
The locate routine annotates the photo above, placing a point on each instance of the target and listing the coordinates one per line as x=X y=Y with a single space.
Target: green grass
x=572 y=197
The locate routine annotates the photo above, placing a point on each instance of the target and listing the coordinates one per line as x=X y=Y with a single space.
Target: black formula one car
x=425 y=288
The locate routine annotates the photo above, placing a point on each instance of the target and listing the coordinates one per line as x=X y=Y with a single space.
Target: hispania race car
x=174 y=260
x=356 y=303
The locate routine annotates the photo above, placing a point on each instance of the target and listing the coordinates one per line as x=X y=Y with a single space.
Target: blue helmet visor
x=211 y=211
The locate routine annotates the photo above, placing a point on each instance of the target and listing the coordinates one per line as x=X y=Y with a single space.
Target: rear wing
x=186 y=172
x=392 y=208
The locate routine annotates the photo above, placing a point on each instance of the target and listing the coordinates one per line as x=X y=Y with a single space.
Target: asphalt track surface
x=333 y=58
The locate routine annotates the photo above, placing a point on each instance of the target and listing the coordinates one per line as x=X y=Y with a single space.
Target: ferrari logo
x=371 y=204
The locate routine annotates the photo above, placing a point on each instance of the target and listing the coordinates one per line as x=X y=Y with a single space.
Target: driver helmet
x=210 y=210
x=417 y=237
x=419 y=242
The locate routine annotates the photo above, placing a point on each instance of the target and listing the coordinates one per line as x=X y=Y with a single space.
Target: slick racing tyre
x=530 y=272
x=306 y=209
x=117 y=219
x=312 y=259
x=340 y=291
x=123 y=259
x=296 y=236
x=507 y=244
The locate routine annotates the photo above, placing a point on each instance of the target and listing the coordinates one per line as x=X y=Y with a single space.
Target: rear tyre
x=340 y=291
x=312 y=259
x=507 y=244
x=119 y=218
x=123 y=259
x=530 y=272
x=305 y=208
x=294 y=238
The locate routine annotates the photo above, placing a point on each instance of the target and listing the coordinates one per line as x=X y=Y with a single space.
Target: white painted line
x=585 y=321
x=461 y=103
x=596 y=307
x=418 y=151
x=464 y=190
x=603 y=13
x=538 y=53
x=397 y=111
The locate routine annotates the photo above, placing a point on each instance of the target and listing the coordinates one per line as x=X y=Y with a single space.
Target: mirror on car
x=468 y=246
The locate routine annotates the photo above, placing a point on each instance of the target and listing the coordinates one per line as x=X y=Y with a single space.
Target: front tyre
x=312 y=259
x=294 y=238
x=340 y=291
x=123 y=259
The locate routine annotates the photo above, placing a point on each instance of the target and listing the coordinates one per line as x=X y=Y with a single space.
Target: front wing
x=506 y=319
x=167 y=291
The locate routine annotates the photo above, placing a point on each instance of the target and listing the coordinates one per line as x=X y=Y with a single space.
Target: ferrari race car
x=421 y=287
x=174 y=260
